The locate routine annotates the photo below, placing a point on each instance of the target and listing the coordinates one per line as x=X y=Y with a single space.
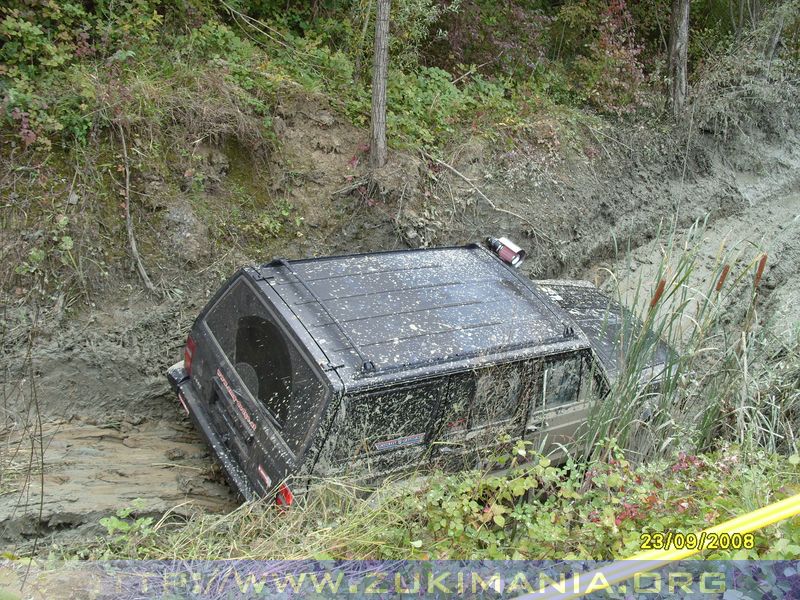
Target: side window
x=561 y=380
x=498 y=395
x=460 y=392
x=387 y=420
x=485 y=398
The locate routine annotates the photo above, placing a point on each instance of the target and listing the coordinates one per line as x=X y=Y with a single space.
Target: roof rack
x=366 y=364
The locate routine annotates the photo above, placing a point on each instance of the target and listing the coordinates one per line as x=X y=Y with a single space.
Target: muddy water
x=91 y=471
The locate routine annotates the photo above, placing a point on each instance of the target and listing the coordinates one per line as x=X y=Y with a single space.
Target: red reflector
x=183 y=402
x=188 y=354
x=285 y=496
x=264 y=476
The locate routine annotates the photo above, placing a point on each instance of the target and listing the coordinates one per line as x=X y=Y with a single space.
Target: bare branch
x=128 y=221
x=457 y=173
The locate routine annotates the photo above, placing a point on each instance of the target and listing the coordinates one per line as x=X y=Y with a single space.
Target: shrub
x=611 y=72
x=507 y=38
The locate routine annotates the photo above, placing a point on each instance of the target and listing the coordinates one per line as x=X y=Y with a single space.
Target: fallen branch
x=257 y=25
x=612 y=138
x=477 y=190
x=474 y=70
x=128 y=221
x=353 y=186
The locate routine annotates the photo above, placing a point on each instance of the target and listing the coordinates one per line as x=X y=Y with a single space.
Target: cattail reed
x=658 y=293
x=722 y=277
x=760 y=271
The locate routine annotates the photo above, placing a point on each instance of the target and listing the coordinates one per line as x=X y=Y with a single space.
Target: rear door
x=264 y=395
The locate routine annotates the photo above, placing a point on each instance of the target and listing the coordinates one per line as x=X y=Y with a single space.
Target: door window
x=498 y=395
x=561 y=381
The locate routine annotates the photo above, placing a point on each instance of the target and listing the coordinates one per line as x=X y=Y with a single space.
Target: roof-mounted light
x=506 y=250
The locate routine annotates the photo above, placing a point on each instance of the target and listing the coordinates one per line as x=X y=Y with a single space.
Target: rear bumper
x=182 y=384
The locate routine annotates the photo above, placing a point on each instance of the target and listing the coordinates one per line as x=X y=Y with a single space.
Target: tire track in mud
x=769 y=223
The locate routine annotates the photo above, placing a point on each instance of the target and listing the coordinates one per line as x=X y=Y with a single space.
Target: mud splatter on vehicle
x=380 y=363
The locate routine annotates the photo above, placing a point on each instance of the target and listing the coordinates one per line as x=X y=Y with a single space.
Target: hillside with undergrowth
x=148 y=149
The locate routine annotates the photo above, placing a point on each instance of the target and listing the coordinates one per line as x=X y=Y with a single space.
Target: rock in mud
x=188 y=235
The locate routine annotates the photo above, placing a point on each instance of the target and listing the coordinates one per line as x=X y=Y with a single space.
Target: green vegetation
x=76 y=77
x=533 y=511
x=70 y=68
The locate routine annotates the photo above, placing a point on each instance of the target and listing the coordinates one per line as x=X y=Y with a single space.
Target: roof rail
x=366 y=364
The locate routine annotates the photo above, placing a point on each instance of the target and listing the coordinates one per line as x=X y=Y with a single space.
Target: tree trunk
x=678 y=49
x=377 y=155
x=772 y=45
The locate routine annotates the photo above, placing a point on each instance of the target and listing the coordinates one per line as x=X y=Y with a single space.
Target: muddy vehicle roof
x=381 y=317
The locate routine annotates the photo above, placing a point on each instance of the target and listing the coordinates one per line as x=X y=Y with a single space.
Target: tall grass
x=729 y=377
x=338 y=520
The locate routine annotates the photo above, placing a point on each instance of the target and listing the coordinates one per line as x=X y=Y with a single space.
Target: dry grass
x=338 y=519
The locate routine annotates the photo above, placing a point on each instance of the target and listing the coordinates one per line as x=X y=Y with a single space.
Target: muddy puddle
x=91 y=471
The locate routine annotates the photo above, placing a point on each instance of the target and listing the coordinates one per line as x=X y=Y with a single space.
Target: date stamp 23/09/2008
x=705 y=540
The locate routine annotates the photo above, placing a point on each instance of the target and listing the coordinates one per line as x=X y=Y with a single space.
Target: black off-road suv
x=373 y=364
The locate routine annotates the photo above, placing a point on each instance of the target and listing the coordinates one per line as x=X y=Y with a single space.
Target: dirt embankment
x=90 y=424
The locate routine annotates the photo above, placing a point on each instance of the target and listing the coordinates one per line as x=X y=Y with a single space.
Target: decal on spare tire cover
x=235 y=399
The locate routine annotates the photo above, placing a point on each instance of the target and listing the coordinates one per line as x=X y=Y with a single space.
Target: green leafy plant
x=272 y=223
x=128 y=531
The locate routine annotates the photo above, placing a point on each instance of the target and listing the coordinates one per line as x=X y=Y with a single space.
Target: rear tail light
x=284 y=496
x=188 y=354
